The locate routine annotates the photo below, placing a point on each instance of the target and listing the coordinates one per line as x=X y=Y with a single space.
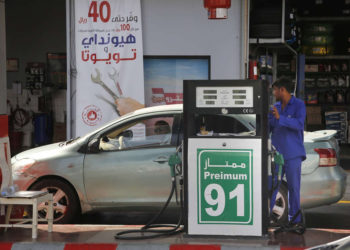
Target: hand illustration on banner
x=97 y=79
x=123 y=105
x=115 y=77
x=127 y=105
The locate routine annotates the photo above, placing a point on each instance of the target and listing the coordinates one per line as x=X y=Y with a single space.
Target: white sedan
x=124 y=165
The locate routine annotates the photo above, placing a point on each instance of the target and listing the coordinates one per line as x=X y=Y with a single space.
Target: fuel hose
x=151 y=230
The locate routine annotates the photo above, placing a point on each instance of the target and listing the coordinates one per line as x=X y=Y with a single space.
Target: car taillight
x=328 y=157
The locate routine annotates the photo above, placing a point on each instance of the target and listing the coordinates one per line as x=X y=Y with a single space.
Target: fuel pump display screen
x=217 y=97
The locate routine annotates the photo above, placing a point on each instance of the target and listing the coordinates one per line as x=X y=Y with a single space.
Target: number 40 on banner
x=103 y=11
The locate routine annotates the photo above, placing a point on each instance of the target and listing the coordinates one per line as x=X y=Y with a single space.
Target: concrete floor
x=93 y=234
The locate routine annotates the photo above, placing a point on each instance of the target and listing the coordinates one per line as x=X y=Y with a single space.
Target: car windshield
x=248 y=120
x=225 y=124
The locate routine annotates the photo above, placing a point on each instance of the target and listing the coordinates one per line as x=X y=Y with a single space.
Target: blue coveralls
x=288 y=139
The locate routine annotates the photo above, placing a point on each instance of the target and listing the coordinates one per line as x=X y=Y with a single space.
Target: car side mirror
x=94 y=146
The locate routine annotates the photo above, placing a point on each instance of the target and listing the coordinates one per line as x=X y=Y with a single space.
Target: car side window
x=151 y=132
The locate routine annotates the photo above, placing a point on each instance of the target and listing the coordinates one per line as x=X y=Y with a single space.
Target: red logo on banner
x=91 y=115
x=159 y=97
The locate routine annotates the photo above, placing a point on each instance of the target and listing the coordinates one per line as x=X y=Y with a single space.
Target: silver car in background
x=323 y=181
x=124 y=165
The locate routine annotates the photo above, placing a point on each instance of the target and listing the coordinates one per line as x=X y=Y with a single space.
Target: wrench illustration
x=115 y=76
x=97 y=79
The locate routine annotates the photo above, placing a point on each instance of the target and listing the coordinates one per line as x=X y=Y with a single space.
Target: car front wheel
x=66 y=207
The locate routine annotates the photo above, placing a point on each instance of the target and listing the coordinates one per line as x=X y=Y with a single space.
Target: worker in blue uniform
x=286 y=123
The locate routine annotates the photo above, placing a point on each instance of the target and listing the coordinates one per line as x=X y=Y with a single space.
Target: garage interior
x=306 y=40
x=36 y=72
x=313 y=48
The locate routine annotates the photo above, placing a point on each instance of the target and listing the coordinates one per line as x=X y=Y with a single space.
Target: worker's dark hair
x=161 y=123
x=162 y=127
x=284 y=82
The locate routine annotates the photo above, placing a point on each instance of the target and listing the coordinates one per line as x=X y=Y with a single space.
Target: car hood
x=42 y=151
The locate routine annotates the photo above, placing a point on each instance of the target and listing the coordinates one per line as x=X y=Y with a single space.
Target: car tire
x=280 y=210
x=65 y=201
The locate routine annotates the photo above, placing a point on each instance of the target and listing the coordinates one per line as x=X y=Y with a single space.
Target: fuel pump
x=226 y=164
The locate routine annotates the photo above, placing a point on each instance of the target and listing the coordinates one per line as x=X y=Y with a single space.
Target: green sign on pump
x=225 y=186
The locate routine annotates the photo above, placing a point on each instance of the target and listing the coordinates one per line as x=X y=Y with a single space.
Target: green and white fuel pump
x=225 y=166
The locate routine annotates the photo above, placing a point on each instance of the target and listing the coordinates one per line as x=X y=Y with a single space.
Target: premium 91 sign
x=225 y=186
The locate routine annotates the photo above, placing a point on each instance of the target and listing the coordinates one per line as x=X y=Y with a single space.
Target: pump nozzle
x=278 y=158
x=173 y=161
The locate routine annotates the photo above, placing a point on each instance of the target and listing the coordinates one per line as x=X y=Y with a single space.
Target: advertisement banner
x=109 y=62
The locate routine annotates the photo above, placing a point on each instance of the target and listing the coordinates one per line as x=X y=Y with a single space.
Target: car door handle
x=161 y=159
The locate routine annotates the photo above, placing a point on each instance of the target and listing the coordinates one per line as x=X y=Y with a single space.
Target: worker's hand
x=127 y=105
x=275 y=113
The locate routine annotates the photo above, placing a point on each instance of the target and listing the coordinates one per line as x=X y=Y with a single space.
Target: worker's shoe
x=273 y=221
x=298 y=228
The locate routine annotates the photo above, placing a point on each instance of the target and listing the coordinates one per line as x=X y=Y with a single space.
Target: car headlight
x=21 y=166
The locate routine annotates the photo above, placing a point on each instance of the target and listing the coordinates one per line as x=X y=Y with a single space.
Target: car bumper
x=326 y=185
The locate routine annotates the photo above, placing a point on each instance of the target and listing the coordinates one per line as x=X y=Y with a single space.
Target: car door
x=131 y=167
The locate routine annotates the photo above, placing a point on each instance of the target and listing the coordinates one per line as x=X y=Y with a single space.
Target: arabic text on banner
x=108 y=51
